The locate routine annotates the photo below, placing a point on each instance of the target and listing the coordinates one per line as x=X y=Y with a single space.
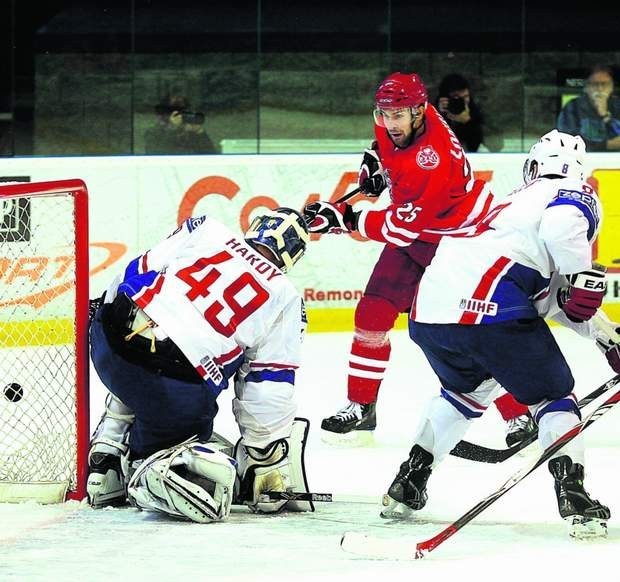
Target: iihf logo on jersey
x=478 y=306
x=427 y=158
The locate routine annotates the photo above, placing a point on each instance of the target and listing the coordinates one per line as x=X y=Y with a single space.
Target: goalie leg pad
x=190 y=481
x=277 y=467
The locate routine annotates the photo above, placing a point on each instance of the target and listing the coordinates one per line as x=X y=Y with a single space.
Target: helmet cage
x=283 y=232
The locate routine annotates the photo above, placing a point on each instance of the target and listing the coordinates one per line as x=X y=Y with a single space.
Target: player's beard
x=401 y=139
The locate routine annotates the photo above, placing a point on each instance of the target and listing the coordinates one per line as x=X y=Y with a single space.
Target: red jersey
x=431 y=186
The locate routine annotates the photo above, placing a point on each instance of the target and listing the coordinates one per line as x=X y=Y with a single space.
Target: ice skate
x=106 y=484
x=586 y=517
x=407 y=493
x=519 y=428
x=352 y=425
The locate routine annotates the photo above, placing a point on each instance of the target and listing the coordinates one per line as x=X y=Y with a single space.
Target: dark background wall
x=83 y=77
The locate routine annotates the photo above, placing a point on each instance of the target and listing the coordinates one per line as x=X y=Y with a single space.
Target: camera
x=456 y=105
x=194 y=117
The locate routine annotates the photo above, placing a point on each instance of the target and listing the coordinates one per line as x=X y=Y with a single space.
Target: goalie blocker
x=278 y=467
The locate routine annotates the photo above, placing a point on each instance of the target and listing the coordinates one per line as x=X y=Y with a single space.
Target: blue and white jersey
x=231 y=312
x=498 y=271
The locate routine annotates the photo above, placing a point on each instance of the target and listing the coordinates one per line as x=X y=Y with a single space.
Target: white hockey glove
x=191 y=481
x=106 y=484
x=278 y=467
x=608 y=340
x=371 y=177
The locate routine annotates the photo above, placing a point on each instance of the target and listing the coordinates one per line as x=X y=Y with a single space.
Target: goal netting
x=44 y=426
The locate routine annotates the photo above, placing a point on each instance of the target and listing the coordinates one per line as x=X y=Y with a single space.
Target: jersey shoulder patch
x=586 y=202
x=194 y=222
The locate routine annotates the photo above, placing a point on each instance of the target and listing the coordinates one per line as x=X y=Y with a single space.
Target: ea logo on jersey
x=427 y=158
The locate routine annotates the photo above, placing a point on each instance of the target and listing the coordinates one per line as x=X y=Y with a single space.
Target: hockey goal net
x=44 y=424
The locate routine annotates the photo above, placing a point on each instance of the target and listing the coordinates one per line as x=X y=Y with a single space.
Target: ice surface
x=520 y=537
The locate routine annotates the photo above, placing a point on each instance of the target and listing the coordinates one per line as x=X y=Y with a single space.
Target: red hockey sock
x=509 y=408
x=370 y=352
x=367 y=365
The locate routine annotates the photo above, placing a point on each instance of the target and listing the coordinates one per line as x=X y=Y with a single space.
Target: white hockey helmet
x=555 y=154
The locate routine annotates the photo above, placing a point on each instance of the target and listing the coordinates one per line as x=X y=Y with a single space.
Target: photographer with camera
x=178 y=130
x=462 y=114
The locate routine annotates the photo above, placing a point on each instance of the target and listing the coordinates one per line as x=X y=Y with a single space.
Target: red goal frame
x=77 y=188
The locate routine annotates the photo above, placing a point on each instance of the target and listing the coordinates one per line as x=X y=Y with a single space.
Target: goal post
x=44 y=295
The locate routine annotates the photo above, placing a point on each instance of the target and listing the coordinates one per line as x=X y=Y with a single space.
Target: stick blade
x=378 y=548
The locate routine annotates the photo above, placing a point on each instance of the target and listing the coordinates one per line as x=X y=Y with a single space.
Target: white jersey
x=230 y=311
x=503 y=266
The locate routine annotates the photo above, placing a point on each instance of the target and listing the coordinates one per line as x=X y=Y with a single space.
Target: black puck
x=13 y=392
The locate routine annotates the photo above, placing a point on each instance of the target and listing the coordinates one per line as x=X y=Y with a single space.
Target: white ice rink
x=519 y=538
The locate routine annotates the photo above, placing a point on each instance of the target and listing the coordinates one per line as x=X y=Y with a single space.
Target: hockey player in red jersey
x=419 y=159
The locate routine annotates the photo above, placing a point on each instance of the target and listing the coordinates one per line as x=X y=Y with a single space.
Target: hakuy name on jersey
x=258 y=262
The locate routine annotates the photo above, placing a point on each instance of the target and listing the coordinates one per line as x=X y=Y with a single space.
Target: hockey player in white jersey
x=478 y=317
x=203 y=306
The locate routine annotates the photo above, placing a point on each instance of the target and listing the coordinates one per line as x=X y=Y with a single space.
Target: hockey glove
x=608 y=341
x=371 y=178
x=584 y=295
x=612 y=353
x=263 y=470
x=278 y=467
x=325 y=217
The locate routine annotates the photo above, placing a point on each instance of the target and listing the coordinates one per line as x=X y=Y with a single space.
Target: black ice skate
x=106 y=485
x=586 y=517
x=407 y=492
x=355 y=420
x=519 y=428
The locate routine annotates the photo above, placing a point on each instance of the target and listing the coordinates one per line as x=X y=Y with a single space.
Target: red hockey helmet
x=401 y=90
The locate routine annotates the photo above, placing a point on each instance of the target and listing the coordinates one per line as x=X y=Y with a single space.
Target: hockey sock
x=367 y=365
x=509 y=408
x=370 y=350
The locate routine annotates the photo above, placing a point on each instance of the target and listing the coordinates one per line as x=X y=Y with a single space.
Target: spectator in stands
x=595 y=115
x=178 y=129
x=464 y=116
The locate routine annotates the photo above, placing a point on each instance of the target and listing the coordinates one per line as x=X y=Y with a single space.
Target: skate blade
x=393 y=509
x=354 y=438
x=583 y=528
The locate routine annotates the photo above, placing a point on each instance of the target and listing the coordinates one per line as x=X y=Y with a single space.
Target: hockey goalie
x=201 y=307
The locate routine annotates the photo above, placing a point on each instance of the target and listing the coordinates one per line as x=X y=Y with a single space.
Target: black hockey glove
x=325 y=217
x=371 y=178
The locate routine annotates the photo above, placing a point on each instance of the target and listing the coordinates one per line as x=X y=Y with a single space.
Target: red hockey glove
x=371 y=178
x=325 y=217
x=581 y=299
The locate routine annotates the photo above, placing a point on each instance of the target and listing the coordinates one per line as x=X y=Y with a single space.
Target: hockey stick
x=347 y=196
x=367 y=546
x=268 y=496
x=482 y=454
